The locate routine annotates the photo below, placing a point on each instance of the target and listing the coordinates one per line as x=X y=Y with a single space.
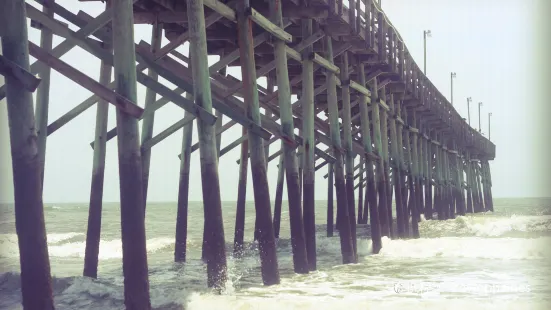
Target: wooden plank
x=148 y=144
x=29 y=81
x=361 y=89
x=315 y=57
x=221 y=8
x=293 y=54
x=268 y=25
x=82 y=79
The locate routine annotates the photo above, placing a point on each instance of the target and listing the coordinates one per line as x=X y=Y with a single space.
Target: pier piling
x=36 y=283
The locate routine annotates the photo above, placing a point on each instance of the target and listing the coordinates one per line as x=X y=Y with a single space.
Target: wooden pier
x=365 y=111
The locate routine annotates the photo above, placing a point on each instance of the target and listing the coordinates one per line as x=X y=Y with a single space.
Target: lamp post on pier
x=453 y=75
x=489 y=126
x=469 y=99
x=479 y=122
x=426 y=34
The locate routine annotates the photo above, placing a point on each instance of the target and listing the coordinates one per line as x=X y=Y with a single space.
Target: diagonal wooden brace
x=27 y=79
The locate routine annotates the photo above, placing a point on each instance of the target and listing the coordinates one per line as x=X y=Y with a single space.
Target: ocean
x=499 y=260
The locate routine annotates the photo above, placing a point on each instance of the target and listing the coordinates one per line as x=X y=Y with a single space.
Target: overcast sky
x=490 y=44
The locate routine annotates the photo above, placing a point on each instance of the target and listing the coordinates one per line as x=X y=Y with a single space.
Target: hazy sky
x=490 y=44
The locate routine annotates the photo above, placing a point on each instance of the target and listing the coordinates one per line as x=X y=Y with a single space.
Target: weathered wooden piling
x=396 y=149
x=395 y=164
x=429 y=177
x=379 y=165
x=93 y=231
x=36 y=287
x=457 y=175
x=180 y=245
x=421 y=171
x=298 y=243
x=43 y=94
x=266 y=240
x=330 y=190
x=487 y=185
x=370 y=191
x=215 y=241
x=468 y=184
x=360 y=192
x=347 y=145
x=136 y=283
x=410 y=174
x=403 y=172
x=347 y=247
x=415 y=190
x=149 y=119
x=308 y=143
x=386 y=162
x=279 y=193
x=438 y=196
x=241 y=198
x=482 y=203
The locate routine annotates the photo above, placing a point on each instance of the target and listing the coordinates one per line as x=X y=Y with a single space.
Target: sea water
x=499 y=260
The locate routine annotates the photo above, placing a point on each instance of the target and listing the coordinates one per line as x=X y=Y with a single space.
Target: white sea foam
x=488 y=226
x=469 y=247
x=109 y=249
x=351 y=302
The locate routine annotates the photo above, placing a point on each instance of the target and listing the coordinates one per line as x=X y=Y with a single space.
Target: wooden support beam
x=93 y=231
x=145 y=80
x=347 y=248
x=122 y=103
x=263 y=22
x=134 y=256
x=36 y=287
x=315 y=57
x=279 y=192
x=308 y=147
x=379 y=164
x=148 y=144
x=148 y=120
x=43 y=95
x=224 y=105
x=180 y=243
x=349 y=155
x=214 y=242
x=222 y=9
x=300 y=260
x=330 y=217
x=395 y=164
x=29 y=81
x=403 y=169
x=239 y=234
x=268 y=258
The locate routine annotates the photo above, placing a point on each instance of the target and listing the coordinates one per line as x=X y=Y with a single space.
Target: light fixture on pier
x=479 y=123
x=469 y=99
x=453 y=75
x=426 y=34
